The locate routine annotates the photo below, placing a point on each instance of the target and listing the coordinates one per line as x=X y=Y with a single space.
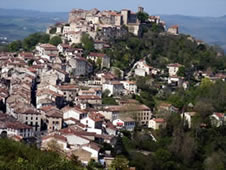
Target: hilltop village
x=101 y=25
x=63 y=97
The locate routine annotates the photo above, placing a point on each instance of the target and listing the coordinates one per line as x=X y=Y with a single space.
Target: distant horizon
x=43 y=11
x=200 y=8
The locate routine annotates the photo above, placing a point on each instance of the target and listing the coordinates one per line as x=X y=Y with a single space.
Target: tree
x=206 y=83
x=120 y=163
x=99 y=62
x=54 y=146
x=189 y=149
x=32 y=40
x=87 y=42
x=142 y=16
x=106 y=93
x=15 y=46
x=16 y=155
x=204 y=107
x=215 y=161
x=30 y=62
x=56 y=40
x=177 y=100
x=93 y=165
x=45 y=38
x=181 y=71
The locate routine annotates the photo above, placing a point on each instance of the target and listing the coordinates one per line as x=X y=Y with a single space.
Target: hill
x=18 y=24
x=209 y=29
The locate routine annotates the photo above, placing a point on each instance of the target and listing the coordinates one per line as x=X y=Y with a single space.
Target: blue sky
x=184 y=7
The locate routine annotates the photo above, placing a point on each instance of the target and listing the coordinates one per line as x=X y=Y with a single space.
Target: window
x=26 y=117
x=31 y=118
x=36 y=118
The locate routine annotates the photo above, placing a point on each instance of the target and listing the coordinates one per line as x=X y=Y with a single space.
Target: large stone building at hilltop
x=110 y=18
x=100 y=25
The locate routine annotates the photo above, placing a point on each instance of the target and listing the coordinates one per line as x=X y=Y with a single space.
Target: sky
x=183 y=7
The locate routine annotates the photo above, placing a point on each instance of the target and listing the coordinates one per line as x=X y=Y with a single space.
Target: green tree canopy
x=32 y=40
x=15 y=155
x=56 y=40
x=120 y=162
x=15 y=46
x=181 y=71
x=87 y=42
x=142 y=16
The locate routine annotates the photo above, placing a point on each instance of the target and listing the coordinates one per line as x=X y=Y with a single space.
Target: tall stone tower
x=125 y=16
x=140 y=9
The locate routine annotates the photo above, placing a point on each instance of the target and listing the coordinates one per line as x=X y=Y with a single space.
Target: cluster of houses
x=43 y=96
x=53 y=95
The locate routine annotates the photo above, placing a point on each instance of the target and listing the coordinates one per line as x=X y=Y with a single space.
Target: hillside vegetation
x=161 y=49
x=208 y=29
x=14 y=155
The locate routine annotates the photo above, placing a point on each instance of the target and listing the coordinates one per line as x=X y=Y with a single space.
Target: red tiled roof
x=81 y=58
x=46 y=108
x=116 y=82
x=55 y=136
x=132 y=107
x=65 y=45
x=159 y=120
x=68 y=87
x=96 y=117
x=130 y=82
x=220 y=115
x=47 y=46
x=76 y=109
x=30 y=111
x=97 y=54
x=175 y=27
x=89 y=97
x=174 y=65
x=109 y=76
x=93 y=146
x=17 y=125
